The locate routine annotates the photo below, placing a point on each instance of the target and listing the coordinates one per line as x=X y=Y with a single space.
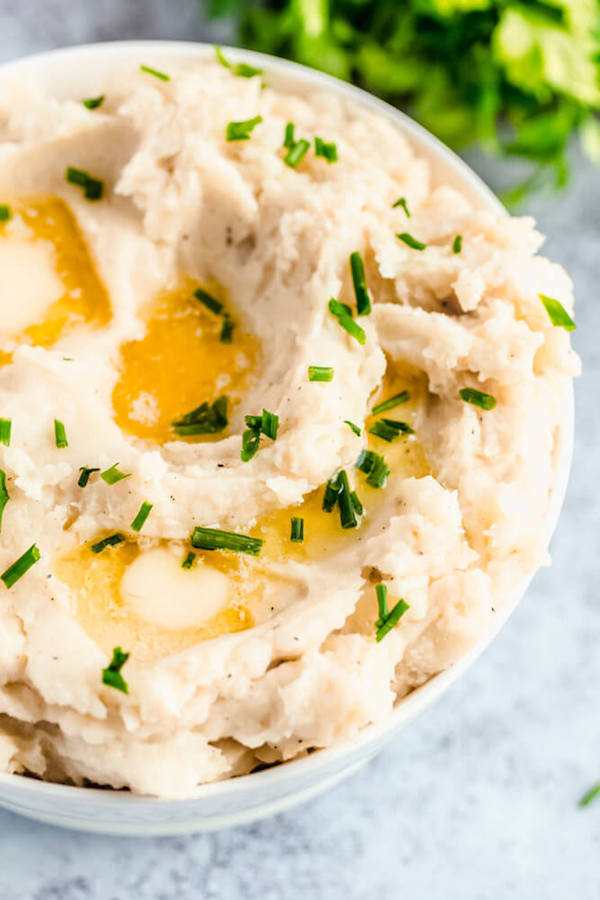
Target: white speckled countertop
x=477 y=800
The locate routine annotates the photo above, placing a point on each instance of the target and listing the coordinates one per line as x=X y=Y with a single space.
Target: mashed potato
x=280 y=423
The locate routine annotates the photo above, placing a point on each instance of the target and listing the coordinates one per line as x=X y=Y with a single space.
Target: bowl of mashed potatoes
x=285 y=426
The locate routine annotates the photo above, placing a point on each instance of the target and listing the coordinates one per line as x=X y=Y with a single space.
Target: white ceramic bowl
x=79 y=72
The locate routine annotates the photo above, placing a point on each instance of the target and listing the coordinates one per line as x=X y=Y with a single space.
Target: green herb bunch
x=520 y=78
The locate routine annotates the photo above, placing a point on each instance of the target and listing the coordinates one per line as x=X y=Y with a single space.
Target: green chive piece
x=477 y=398
x=269 y=424
x=353 y=328
x=296 y=153
x=288 y=137
x=111 y=541
x=226 y=330
x=150 y=71
x=410 y=241
x=189 y=561
x=5 y=212
x=358 y=507
x=331 y=494
x=143 y=513
x=327 y=151
x=20 y=566
x=357 y=431
x=384 y=625
x=60 y=435
x=84 y=475
x=391 y=402
x=242 y=70
x=208 y=418
x=390 y=429
x=320 y=373
x=93 y=102
x=339 y=309
x=382 y=592
x=590 y=795
x=4 y=495
x=374 y=466
x=5 y=430
x=345 y=504
x=359 y=280
x=401 y=201
x=111 y=675
x=250 y=444
x=209 y=301
x=297 y=530
x=241 y=131
x=216 y=539
x=557 y=314
x=92 y=187
x=457 y=244
x=112 y=475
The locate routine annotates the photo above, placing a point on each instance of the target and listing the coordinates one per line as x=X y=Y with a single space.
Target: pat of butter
x=29 y=283
x=161 y=592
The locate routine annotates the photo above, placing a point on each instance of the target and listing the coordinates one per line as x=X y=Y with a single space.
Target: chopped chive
x=320 y=373
x=384 y=625
x=457 y=244
x=591 y=795
x=410 y=241
x=208 y=418
x=391 y=402
x=345 y=504
x=297 y=530
x=92 y=187
x=112 y=475
x=226 y=330
x=374 y=466
x=111 y=675
x=20 y=566
x=477 y=398
x=331 y=493
x=4 y=495
x=358 y=507
x=150 y=71
x=250 y=443
x=269 y=424
x=288 y=137
x=401 y=201
x=5 y=212
x=208 y=301
x=140 y=519
x=353 y=328
x=242 y=70
x=357 y=431
x=5 y=430
x=216 y=539
x=84 y=475
x=390 y=429
x=296 y=153
x=359 y=280
x=557 y=314
x=111 y=541
x=93 y=102
x=339 y=309
x=327 y=150
x=241 y=131
x=60 y=435
x=189 y=560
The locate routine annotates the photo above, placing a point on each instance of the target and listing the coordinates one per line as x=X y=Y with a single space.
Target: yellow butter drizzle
x=178 y=364
x=85 y=300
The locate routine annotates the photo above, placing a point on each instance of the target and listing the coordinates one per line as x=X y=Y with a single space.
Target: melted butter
x=47 y=225
x=101 y=606
x=178 y=364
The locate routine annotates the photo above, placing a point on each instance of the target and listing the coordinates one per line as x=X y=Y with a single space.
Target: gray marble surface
x=477 y=800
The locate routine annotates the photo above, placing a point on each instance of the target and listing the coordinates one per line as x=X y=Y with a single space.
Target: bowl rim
x=425 y=695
